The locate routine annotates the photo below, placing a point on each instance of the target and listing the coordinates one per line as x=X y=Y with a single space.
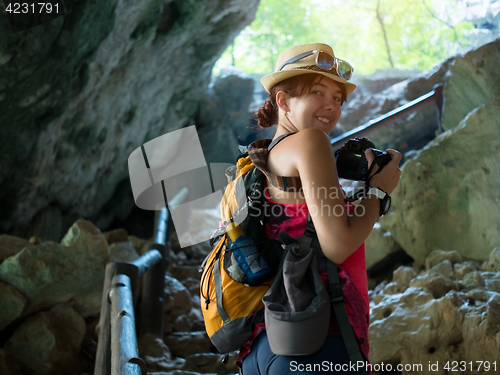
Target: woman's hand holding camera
x=387 y=179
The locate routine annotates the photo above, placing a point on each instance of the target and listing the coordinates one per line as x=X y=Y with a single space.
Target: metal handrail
x=117 y=349
x=435 y=96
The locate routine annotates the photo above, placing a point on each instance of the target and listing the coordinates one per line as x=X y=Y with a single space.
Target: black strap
x=275 y=142
x=375 y=162
x=286 y=238
x=359 y=193
x=218 y=292
x=309 y=234
x=337 y=298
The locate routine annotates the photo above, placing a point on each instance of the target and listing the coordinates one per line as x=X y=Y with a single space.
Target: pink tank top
x=292 y=218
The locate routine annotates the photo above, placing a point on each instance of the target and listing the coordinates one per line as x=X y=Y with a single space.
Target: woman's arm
x=340 y=235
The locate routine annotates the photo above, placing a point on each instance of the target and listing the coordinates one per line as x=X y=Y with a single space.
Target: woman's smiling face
x=318 y=108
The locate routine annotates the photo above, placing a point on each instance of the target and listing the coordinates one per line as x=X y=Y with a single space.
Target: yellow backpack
x=230 y=308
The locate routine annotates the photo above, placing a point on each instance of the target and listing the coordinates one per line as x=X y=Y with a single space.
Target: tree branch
x=380 y=19
x=446 y=23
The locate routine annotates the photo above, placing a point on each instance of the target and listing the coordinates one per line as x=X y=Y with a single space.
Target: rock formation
x=51 y=273
x=112 y=75
x=222 y=118
x=80 y=93
x=473 y=74
x=448 y=312
x=49 y=342
x=448 y=309
x=447 y=197
x=47 y=322
x=48 y=293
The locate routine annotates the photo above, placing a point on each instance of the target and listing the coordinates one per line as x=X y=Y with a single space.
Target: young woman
x=306 y=93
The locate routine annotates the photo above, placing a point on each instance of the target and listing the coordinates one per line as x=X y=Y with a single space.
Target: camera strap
x=375 y=161
x=361 y=192
x=357 y=194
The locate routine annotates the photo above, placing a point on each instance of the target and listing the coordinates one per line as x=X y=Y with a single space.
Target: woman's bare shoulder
x=311 y=138
x=294 y=150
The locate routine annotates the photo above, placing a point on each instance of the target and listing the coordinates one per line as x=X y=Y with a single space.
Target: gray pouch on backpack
x=297 y=306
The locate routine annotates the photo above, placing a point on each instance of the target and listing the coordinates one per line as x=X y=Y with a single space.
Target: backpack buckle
x=336 y=294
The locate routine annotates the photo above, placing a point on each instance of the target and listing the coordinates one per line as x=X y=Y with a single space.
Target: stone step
x=180 y=358
x=184 y=344
x=211 y=362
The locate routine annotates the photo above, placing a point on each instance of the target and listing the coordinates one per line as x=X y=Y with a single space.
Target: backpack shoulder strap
x=309 y=234
x=277 y=140
x=336 y=296
x=337 y=299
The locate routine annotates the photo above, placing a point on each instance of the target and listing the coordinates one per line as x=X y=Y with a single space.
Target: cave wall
x=447 y=197
x=80 y=93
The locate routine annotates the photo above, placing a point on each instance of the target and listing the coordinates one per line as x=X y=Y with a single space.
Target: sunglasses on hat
x=325 y=61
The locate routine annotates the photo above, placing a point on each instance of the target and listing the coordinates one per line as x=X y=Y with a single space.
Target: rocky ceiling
x=79 y=93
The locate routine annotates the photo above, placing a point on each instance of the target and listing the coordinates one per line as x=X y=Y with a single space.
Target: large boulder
x=379 y=245
x=12 y=302
x=494 y=259
x=80 y=93
x=50 y=273
x=49 y=342
x=11 y=245
x=412 y=319
x=472 y=80
x=447 y=197
x=8 y=365
x=222 y=118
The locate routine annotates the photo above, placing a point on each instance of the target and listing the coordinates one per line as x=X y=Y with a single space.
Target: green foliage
x=420 y=33
x=278 y=25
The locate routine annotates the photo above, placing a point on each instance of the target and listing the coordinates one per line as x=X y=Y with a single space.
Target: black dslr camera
x=351 y=161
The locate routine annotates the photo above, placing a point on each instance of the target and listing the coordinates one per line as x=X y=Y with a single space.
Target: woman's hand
x=388 y=178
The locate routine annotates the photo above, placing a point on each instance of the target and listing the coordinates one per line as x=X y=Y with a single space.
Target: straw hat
x=291 y=70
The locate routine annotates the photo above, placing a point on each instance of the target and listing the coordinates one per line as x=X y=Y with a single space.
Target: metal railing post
x=124 y=351
x=439 y=98
x=151 y=317
x=117 y=349
x=103 y=355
